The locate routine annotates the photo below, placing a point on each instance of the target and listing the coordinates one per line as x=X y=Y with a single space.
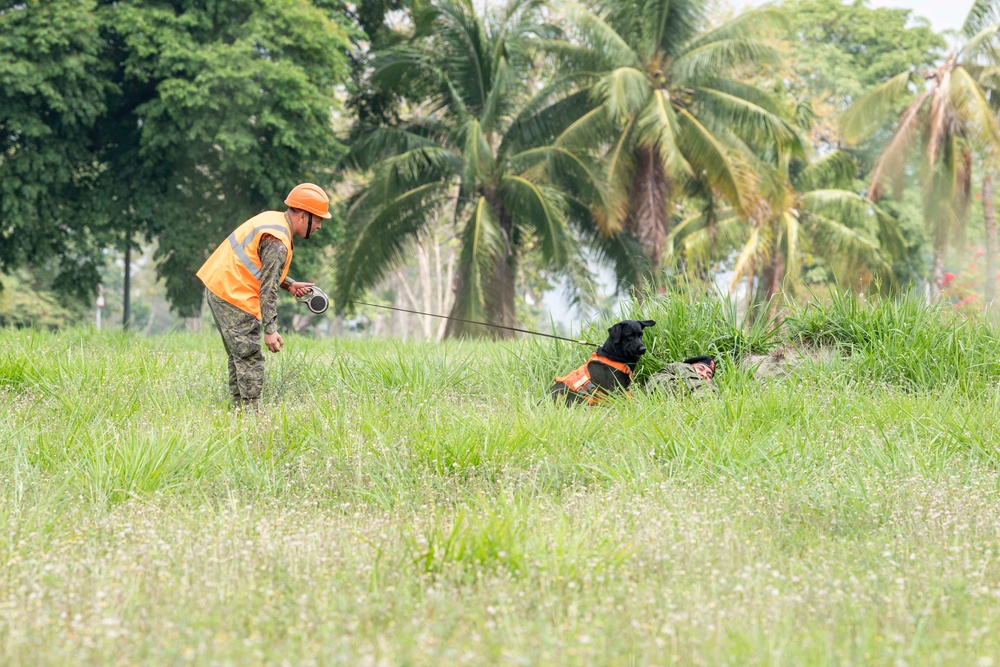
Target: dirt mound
x=783 y=360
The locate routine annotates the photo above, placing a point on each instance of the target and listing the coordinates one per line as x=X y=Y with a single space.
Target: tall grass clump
x=687 y=325
x=904 y=342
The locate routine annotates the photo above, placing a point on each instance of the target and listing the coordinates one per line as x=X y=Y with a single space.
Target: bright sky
x=943 y=14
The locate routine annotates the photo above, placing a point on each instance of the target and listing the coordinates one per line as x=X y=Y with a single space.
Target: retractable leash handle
x=315 y=299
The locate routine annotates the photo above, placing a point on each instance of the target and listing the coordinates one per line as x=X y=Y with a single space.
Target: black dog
x=609 y=369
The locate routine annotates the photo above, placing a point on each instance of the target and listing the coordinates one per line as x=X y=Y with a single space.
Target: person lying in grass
x=691 y=377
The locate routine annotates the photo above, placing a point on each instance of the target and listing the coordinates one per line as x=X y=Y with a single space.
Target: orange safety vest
x=233 y=271
x=579 y=380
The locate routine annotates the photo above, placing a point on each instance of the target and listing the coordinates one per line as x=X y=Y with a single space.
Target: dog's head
x=624 y=343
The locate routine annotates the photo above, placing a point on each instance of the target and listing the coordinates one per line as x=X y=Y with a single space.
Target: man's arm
x=272 y=254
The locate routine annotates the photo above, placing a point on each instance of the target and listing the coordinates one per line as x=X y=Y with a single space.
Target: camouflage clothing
x=680 y=379
x=272 y=257
x=241 y=330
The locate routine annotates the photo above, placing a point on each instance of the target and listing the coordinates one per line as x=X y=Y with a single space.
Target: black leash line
x=485 y=324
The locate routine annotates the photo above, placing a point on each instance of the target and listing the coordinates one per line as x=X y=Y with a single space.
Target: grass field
x=402 y=503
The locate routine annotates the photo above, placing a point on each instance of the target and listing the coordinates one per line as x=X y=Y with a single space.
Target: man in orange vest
x=242 y=278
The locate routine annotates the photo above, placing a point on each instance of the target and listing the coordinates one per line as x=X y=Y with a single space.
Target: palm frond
x=540 y=208
x=482 y=246
x=982 y=15
x=404 y=171
x=497 y=97
x=754 y=123
x=940 y=114
x=858 y=214
x=763 y=99
x=466 y=58
x=894 y=157
x=575 y=59
x=623 y=91
x=657 y=127
x=793 y=260
x=621 y=251
x=746 y=260
x=546 y=115
x=601 y=38
x=761 y=22
x=710 y=160
x=836 y=169
x=378 y=232
x=970 y=102
x=874 y=109
x=983 y=45
x=840 y=244
x=573 y=172
x=704 y=245
x=713 y=59
x=478 y=152
x=378 y=143
x=619 y=167
x=987 y=77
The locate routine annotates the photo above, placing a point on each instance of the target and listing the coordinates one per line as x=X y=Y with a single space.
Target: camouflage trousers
x=680 y=379
x=241 y=336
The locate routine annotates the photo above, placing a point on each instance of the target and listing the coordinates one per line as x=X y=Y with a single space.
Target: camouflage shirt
x=272 y=254
x=680 y=379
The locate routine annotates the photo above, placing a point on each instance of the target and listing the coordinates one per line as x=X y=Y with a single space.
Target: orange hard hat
x=309 y=197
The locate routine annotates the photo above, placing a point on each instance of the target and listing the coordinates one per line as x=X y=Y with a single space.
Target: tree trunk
x=769 y=285
x=990 y=222
x=498 y=292
x=647 y=219
x=774 y=286
x=127 y=290
x=937 y=270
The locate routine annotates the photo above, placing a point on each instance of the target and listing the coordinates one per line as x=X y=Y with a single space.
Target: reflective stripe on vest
x=233 y=272
x=240 y=248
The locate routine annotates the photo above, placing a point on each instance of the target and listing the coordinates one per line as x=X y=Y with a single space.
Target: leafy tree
x=662 y=96
x=838 y=50
x=28 y=300
x=459 y=153
x=218 y=109
x=946 y=115
x=53 y=83
x=371 y=104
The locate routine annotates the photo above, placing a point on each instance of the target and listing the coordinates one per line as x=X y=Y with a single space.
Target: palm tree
x=945 y=116
x=982 y=59
x=457 y=153
x=808 y=207
x=661 y=97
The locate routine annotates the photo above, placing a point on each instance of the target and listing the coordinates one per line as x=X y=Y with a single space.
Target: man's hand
x=300 y=289
x=274 y=341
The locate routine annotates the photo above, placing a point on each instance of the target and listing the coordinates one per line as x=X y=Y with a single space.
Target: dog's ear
x=646 y=323
x=615 y=333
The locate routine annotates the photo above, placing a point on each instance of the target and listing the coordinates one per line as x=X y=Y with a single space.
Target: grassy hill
x=404 y=503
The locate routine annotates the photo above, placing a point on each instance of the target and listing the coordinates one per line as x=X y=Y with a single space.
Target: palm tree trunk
x=771 y=283
x=648 y=207
x=990 y=222
x=127 y=290
x=937 y=270
x=498 y=291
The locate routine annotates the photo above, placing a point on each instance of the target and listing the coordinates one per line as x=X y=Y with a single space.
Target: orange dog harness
x=579 y=381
